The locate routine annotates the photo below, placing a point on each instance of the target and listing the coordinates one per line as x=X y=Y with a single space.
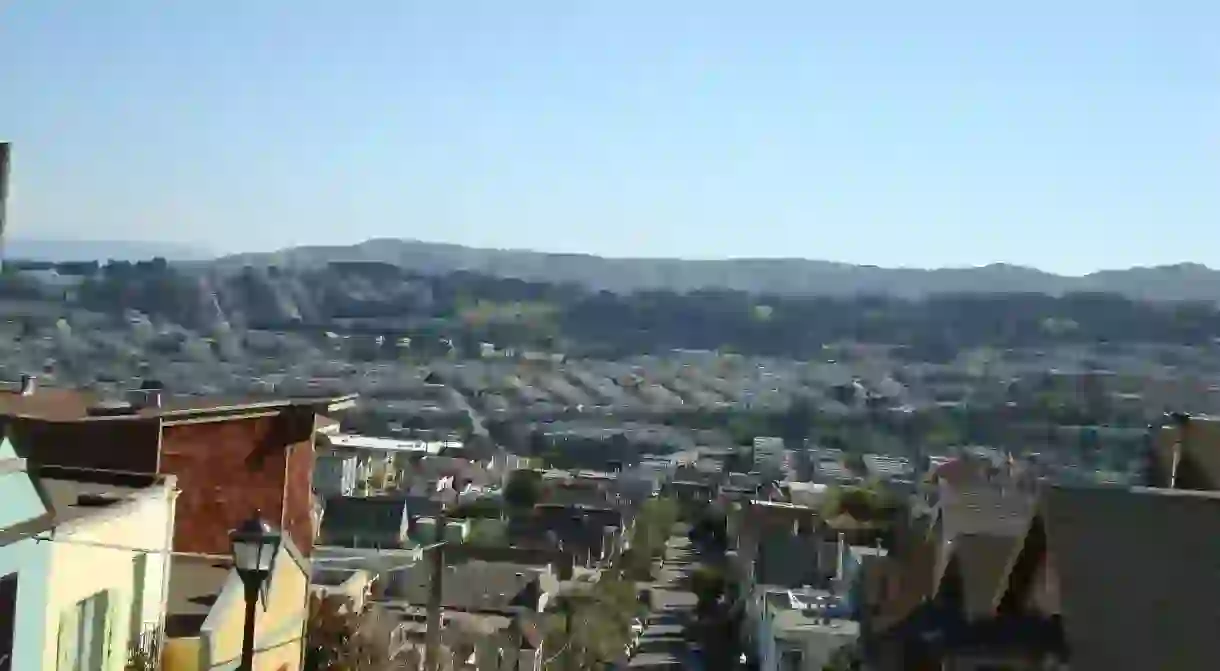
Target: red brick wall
x=298 y=510
x=228 y=469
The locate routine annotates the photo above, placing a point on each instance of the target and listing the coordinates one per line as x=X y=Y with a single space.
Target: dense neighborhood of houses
x=116 y=541
x=116 y=549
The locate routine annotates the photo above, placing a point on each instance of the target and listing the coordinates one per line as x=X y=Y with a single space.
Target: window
x=8 y=619
x=790 y=660
x=84 y=632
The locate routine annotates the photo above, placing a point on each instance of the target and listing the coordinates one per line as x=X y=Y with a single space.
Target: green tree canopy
x=523 y=489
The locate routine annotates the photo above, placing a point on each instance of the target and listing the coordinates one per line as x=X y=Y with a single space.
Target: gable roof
x=982 y=562
x=1133 y=565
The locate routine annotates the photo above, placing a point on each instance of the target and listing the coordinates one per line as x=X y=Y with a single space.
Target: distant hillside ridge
x=1186 y=281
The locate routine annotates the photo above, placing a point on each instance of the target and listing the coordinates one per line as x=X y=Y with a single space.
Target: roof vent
x=111 y=409
x=96 y=500
x=145 y=398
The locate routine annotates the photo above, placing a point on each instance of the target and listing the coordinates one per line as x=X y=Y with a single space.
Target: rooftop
x=475 y=585
x=60 y=404
x=194 y=586
x=75 y=494
x=810 y=610
x=358 y=442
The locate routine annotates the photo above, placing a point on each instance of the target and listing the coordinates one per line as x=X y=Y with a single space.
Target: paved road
x=663 y=644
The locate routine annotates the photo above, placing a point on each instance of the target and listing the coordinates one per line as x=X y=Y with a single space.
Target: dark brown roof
x=56 y=404
x=1138 y=573
x=982 y=562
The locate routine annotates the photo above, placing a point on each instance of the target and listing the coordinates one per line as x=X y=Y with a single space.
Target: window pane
x=84 y=635
x=8 y=616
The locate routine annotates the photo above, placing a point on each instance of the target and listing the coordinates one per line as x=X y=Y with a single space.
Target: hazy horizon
x=129 y=250
x=1065 y=138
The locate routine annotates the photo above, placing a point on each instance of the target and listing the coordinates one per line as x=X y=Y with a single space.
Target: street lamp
x=255 y=545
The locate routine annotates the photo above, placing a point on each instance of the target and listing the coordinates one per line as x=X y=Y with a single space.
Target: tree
x=707 y=582
x=652 y=528
x=478 y=509
x=340 y=638
x=868 y=504
x=711 y=530
x=488 y=532
x=523 y=489
x=796 y=422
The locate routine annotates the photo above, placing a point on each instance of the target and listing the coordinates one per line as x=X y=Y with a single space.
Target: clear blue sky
x=1066 y=135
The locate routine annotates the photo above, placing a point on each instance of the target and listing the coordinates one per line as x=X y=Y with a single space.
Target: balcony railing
x=144 y=651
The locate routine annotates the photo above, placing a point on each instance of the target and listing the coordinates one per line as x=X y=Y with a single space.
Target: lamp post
x=255 y=545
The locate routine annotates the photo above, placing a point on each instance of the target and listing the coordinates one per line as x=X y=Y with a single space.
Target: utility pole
x=5 y=157
x=432 y=639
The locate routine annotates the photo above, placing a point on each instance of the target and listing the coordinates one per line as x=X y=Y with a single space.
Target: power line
x=214 y=557
x=128 y=548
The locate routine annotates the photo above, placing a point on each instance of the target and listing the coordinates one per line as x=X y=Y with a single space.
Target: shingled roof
x=1138 y=575
x=982 y=562
x=987 y=509
x=477 y=586
x=974 y=524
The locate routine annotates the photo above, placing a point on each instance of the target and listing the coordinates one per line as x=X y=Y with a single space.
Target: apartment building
x=83 y=559
x=232 y=458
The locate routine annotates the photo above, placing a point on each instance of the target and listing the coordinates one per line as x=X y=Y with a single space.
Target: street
x=663 y=643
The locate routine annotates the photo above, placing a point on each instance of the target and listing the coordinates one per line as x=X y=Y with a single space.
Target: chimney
x=144 y=398
x=29 y=383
